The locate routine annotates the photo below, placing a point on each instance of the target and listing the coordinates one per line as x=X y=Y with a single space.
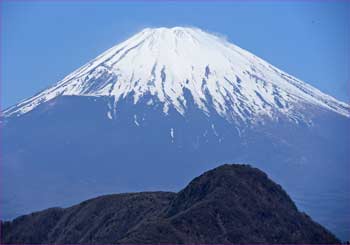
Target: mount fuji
x=163 y=106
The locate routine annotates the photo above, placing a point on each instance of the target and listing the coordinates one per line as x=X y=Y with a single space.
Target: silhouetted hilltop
x=229 y=204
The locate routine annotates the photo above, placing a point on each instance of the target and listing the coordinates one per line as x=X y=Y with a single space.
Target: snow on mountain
x=165 y=62
x=112 y=126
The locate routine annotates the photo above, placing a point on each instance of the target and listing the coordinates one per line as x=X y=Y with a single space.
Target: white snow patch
x=172 y=134
x=239 y=131
x=214 y=130
x=109 y=115
x=135 y=120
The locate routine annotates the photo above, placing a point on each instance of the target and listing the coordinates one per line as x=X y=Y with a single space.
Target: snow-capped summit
x=165 y=62
x=168 y=103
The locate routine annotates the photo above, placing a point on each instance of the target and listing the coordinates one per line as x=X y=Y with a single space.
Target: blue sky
x=42 y=41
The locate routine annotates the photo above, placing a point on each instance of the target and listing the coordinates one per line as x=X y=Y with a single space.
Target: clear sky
x=42 y=41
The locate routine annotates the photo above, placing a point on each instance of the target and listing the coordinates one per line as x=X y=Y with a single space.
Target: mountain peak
x=166 y=62
x=175 y=29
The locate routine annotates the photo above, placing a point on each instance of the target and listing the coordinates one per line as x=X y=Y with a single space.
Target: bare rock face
x=229 y=204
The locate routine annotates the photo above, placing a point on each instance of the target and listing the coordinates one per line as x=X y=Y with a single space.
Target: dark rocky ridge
x=229 y=204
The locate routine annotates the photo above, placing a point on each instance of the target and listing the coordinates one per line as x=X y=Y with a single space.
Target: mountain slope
x=164 y=106
x=230 y=204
